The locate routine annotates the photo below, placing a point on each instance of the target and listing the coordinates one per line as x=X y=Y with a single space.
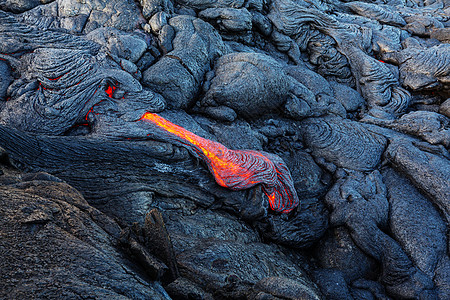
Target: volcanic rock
x=60 y=246
x=254 y=84
x=405 y=199
x=230 y=19
x=445 y=108
x=230 y=149
x=327 y=138
x=124 y=45
x=178 y=74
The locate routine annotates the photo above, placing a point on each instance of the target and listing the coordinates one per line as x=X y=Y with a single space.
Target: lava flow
x=238 y=169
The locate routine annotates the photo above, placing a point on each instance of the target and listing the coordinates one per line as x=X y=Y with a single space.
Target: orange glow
x=90 y=111
x=110 y=90
x=56 y=78
x=237 y=169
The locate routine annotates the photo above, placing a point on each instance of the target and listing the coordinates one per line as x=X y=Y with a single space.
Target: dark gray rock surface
x=334 y=139
x=350 y=99
x=178 y=75
x=424 y=68
x=425 y=225
x=251 y=84
x=58 y=246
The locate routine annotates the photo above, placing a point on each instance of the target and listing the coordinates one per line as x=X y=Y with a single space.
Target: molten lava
x=110 y=90
x=238 y=169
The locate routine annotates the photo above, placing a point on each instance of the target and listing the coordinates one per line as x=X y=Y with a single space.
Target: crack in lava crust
x=238 y=169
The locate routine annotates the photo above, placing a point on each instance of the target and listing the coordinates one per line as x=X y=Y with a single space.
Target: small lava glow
x=238 y=169
x=110 y=90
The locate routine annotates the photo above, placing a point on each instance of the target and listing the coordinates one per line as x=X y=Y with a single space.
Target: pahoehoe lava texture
x=238 y=169
x=332 y=138
x=310 y=156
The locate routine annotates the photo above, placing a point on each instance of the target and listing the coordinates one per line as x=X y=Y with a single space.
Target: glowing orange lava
x=110 y=90
x=238 y=169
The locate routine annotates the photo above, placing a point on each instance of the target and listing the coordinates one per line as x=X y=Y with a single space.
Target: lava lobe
x=238 y=169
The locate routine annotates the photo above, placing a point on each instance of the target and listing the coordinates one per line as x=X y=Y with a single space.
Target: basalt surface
x=197 y=149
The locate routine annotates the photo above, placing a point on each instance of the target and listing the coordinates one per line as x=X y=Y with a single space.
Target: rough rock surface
x=352 y=97
x=179 y=73
x=59 y=246
x=251 y=84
